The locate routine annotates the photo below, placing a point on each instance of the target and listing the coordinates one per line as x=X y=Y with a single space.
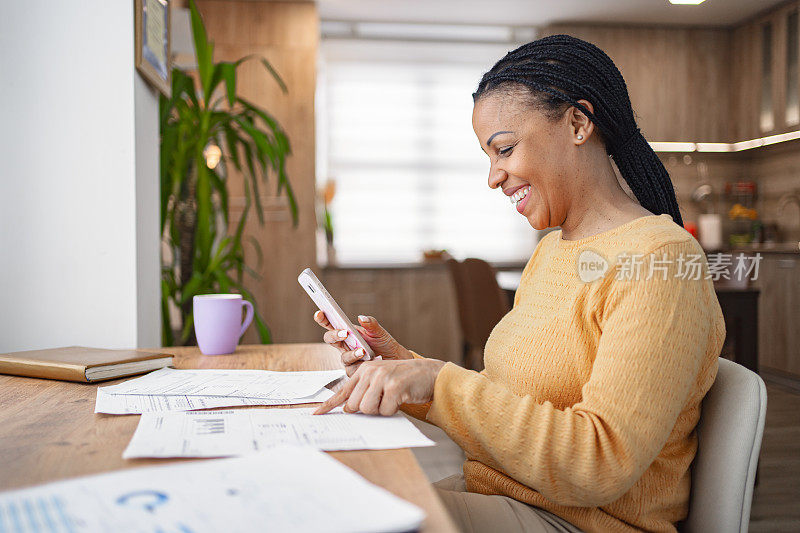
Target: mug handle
x=248 y=317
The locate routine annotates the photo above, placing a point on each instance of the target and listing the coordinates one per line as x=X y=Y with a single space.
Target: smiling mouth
x=520 y=195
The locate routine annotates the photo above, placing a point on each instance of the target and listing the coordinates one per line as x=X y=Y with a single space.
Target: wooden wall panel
x=678 y=78
x=287 y=34
x=417 y=305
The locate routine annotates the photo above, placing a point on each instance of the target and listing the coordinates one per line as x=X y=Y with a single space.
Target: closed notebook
x=77 y=363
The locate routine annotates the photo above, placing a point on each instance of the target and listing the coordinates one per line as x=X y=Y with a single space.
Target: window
x=395 y=133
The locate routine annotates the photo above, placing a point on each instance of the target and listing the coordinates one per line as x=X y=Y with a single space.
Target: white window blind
x=395 y=134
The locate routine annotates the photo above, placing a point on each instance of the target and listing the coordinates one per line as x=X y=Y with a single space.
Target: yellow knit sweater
x=592 y=389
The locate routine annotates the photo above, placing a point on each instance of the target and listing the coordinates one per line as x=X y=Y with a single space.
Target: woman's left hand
x=381 y=387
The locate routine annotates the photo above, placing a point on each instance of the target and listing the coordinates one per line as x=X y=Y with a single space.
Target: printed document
x=286 y=489
x=242 y=432
x=239 y=383
x=134 y=404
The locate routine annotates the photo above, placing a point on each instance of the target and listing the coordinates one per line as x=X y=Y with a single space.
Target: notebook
x=78 y=363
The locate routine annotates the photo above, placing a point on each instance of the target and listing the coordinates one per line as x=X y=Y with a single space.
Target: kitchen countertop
x=763 y=248
x=767 y=248
x=500 y=266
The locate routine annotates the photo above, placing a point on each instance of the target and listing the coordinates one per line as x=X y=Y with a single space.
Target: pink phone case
x=325 y=302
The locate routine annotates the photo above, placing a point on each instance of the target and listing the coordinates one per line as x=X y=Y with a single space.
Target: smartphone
x=317 y=292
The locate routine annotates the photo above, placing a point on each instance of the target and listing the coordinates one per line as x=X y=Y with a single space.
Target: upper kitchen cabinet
x=708 y=85
x=678 y=78
x=764 y=75
x=745 y=82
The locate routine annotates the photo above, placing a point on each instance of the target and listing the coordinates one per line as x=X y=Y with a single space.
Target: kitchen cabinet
x=678 y=78
x=707 y=85
x=764 y=74
x=745 y=76
x=416 y=304
x=779 y=314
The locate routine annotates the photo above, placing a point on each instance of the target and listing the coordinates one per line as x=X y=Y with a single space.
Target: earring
x=580 y=137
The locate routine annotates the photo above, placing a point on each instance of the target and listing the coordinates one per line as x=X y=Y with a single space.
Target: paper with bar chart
x=229 y=433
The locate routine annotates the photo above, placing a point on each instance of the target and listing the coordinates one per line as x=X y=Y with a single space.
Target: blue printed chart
x=285 y=489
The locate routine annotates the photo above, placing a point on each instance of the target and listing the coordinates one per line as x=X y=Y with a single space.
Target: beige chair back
x=729 y=440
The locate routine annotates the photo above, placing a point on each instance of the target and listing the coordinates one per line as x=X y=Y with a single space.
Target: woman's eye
x=505 y=151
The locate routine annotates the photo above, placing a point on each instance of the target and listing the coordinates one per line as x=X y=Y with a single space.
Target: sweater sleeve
x=655 y=334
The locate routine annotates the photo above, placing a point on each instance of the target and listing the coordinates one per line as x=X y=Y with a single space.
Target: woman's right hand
x=378 y=339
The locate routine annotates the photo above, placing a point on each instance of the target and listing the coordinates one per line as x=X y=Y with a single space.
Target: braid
x=560 y=70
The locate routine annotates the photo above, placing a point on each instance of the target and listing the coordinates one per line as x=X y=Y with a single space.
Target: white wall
x=78 y=179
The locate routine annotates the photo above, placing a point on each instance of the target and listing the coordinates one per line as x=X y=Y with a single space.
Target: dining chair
x=728 y=443
x=481 y=305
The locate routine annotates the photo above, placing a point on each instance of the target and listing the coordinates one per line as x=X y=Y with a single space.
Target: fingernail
x=362 y=318
x=361 y=351
x=342 y=334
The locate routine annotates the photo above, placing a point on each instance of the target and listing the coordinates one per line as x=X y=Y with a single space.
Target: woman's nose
x=496 y=177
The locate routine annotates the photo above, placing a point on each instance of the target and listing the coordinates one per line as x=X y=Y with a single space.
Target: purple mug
x=218 y=322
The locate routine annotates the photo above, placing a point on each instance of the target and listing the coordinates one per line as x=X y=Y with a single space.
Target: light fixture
x=686 y=2
x=724 y=147
x=673 y=146
x=212 y=154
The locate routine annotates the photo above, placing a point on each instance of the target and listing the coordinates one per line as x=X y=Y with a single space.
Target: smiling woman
x=584 y=417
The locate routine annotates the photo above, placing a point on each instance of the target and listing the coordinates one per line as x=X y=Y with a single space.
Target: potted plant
x=207 y=129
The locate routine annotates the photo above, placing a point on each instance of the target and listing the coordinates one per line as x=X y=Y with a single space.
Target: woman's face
x=529 y=155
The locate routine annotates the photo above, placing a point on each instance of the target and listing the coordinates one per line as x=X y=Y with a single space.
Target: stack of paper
x=169 y=389
x=292 y=489
x=226 y=433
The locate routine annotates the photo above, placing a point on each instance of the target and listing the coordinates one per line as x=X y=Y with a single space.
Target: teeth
x=519 y=195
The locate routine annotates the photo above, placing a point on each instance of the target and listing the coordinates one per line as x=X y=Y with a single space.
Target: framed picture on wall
x=152 y=41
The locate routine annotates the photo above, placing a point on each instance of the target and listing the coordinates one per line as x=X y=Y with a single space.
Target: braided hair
x=559 y=70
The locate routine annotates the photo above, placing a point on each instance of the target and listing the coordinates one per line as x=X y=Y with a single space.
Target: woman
x=584 y=417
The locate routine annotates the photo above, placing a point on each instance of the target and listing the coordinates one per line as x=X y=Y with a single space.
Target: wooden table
x=49 y=431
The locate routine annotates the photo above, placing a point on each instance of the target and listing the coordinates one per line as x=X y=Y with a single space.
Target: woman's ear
x=580 y=124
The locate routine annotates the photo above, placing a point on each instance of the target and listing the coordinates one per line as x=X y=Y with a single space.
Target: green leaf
x=192 y=288
x=169 y=145
x=264 y=335
x=263 y=331
x=281 y=140
x=205 y=224
x=222 y=189
x=232 y=141
x=267 y=65
x=167 y=338
x=253 y=181
x=182 y=88
x=271 y=70
x=229 y=75
x=223 y=71
x=203 y=49
x=260 y=140
x=188 y=325
x=257 y=247
x=208 y=89
x=283 y=181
